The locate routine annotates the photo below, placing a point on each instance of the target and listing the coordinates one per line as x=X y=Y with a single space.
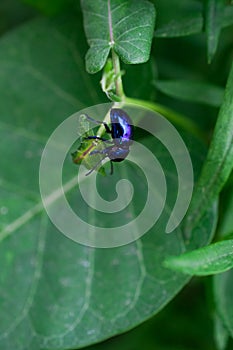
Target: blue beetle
x=122 y=137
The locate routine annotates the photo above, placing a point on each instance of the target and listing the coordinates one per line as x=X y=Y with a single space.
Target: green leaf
x=223 y=291
x=188 y=20
x=183 y=27
x=127 y=27
x=178 y=18
x=192 y=91
x=226 y=219
x=219 y=162
x=209 y=260
x=227 y=19
x=213 y=25
x=193 y=327
x=56 y=293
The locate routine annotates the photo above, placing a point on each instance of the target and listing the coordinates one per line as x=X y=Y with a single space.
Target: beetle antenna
x=93 y=120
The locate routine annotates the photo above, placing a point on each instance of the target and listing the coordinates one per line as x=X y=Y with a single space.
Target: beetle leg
x=107 y=128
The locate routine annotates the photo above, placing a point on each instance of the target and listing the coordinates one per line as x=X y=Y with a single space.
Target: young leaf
x=219 y=162
x=125 y=26
x=209 y=260
x=213 y=25
x=192 y=91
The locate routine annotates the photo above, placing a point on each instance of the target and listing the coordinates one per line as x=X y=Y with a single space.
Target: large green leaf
x=126 y=26
x=56 y=293
x=178 y=18
x=192 y=91
x=189 y=19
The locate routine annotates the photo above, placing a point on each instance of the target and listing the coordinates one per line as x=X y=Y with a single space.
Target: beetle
x=121 y=131
x=82 y=154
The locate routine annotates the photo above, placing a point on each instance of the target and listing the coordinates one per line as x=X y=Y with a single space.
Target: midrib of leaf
x=49 y=200
x=110 y=23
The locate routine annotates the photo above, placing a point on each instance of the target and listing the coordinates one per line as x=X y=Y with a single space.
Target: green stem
x=118 y=80
x=174 y=117
x=118 y=86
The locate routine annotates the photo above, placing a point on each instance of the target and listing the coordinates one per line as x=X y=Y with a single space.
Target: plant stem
x=118 y=87
x=118 y=80
x=174 y=117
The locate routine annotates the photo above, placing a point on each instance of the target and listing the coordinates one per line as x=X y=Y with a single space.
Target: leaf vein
x=126 y=17
x=132 y=29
